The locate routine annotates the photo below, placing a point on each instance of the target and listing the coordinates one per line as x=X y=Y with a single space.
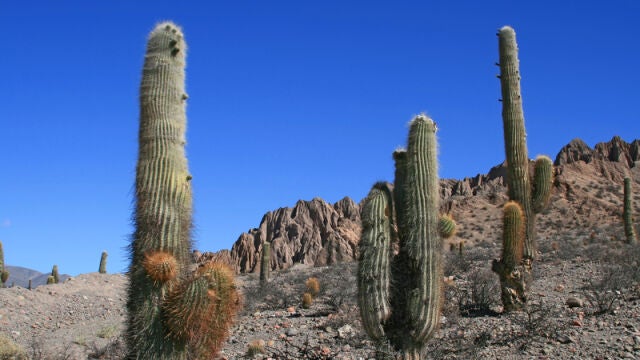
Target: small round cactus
x=446 y=226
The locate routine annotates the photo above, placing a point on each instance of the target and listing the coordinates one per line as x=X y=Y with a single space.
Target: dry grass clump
x=10 y=350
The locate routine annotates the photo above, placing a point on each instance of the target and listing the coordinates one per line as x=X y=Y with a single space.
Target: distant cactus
x=446 y=226
x=518 y=177
x=29 y=286
x=54 y=273
x=103 y=263
x=400 y=296
x=509 y=268
x=173 y=313
x=313 y=286
x=2 y=270
x=4 y=276
x=307 y=300
x=627 y=213
x=51 y=280
x=265 y=264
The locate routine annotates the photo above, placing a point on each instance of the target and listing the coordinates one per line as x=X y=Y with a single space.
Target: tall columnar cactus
x=532 y=198
x=102 y=269
x=55 y=274
x=173 y=313
x=265 y=264
x=509 y=268
x=400 y=295
x=627 y=213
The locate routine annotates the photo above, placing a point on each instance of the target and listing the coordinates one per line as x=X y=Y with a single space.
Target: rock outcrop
x=312 y=232
x=587 y=193
x=616 y=150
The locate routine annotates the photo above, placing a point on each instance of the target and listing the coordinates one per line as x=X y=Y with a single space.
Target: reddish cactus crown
x=160 y=266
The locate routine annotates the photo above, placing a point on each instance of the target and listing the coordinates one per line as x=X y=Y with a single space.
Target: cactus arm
x=374 y=265
x=509 y=268
x=542 y=180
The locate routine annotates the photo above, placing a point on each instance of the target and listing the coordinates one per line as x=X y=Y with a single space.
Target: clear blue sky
x=288 y=100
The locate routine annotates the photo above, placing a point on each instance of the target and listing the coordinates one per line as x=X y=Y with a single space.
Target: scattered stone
x=345 y=332
x=573 y=302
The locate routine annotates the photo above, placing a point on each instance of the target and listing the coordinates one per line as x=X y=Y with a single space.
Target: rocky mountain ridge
x=587 y=190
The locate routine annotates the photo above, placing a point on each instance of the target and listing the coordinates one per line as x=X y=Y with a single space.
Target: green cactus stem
x=161 y=244
x=542 y=181
x=400 y=294
x=55 y=274
x=627 y=213
x=265 y=264
x=400 y=175
x=518 y=177
x=509 y=268
x=375 y=261
x=51 y=280
x=102 y=269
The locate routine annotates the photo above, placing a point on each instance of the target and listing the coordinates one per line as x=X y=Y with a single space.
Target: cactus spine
x=627 y=215
x=103 y=263
x=518 y=178
x=164 y=323
x=400 y=296
x=509 y=268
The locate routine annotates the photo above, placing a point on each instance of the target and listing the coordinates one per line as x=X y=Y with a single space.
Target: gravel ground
x=81 y=318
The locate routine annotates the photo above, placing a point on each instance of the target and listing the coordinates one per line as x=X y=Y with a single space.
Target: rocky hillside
x=587 y=196
x=312 y=232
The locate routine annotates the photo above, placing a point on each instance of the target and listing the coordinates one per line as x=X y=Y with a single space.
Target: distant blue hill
x=20 y=276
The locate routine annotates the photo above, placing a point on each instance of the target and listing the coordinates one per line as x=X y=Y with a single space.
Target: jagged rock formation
x=616 y=150
x=587 y=196
x=312 y=232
